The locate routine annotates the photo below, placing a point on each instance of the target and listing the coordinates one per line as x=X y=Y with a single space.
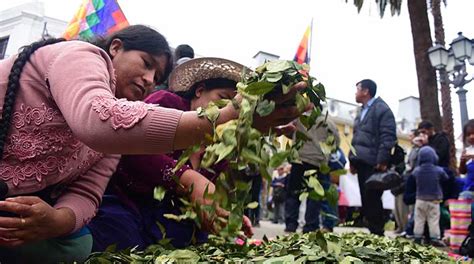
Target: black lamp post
x=454 y=62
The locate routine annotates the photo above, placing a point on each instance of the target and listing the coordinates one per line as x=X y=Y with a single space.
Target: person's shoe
x=426 y=242
x=290 y=230
x=438 y=243
x=359 y=223
x=417 y=240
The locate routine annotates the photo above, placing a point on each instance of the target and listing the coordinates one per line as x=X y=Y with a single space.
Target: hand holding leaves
x=275 y=94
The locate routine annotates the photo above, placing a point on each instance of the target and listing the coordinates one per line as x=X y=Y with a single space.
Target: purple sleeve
x=140 y=174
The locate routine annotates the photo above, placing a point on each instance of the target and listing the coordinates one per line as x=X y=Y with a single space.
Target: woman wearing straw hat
x=129 y=212
x=67 y=107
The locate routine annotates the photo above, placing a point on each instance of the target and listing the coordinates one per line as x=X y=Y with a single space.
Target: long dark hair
x=140 y=37
x=14 y=84
x=469 y=124
x=136 y=37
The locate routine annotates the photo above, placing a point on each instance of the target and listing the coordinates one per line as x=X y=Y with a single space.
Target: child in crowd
x=466 y=164
x=279 y=195
x=429 y=194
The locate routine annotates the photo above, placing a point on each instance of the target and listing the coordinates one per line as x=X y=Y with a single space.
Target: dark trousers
x=372 y=208
x=295 y=185
x=254 y=214
x=278 y=212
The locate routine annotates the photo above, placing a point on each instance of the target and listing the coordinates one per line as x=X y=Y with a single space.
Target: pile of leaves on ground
x=295 y=248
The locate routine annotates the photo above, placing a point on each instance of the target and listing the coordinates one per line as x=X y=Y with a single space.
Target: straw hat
x=185 y=75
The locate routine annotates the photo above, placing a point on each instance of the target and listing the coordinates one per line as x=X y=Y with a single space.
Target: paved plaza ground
x=272 y=230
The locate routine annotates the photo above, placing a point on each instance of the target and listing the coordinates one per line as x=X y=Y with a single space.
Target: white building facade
x=25 y=24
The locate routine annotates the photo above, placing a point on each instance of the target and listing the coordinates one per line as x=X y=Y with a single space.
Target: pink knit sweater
x=66 y=117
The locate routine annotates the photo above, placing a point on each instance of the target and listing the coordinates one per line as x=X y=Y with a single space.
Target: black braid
x=14 y=84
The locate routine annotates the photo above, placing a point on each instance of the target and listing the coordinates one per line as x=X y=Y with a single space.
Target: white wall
x=24 y=24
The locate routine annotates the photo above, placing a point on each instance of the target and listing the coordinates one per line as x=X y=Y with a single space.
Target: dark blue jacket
x=279 y=180
x=429 y=176
x=375 y=135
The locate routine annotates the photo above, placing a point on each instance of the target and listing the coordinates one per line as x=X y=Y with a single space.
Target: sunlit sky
x=346 y=46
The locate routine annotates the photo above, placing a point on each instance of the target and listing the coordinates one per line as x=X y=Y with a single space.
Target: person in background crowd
x=401 y=210
x=183 y=53
x=337 y=163
x=374 y=137
x=409 y=192
x=255 y=195
x=129 y=212
x=440 y=143
x=68 y=107
x=437 y=140
x=466 y=163
x=312 y=157
x=429 y=195
x=279 y=195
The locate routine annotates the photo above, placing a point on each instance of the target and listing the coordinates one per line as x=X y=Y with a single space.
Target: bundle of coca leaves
x=314 y=247
x=247 y=151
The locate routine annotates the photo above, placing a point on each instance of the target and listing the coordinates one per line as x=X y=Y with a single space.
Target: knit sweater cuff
x=162 y=129
x=83 y=210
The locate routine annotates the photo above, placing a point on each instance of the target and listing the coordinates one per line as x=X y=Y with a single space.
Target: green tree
x=420 y=29
x=447 y=109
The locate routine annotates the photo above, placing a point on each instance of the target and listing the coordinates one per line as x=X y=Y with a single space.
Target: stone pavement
x=272 y=230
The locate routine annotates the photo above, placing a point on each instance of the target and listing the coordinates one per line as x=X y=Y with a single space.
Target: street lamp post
x=452 y=62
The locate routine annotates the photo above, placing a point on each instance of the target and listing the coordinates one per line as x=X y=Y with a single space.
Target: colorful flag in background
x=96 y=18
x=302 y=54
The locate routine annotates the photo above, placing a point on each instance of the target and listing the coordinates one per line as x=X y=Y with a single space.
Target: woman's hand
x=247 y=227
x=286 y=130
x=284 y=112
x=209 y=222
x=192 y=129
x=465 y=157
x=36 y=220
x=224 y=214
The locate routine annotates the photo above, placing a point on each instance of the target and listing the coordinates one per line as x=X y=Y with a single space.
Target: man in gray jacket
x=312 y=156
x=373 y=138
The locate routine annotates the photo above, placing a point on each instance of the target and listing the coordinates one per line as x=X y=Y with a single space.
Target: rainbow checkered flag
x=302 y=53
x=96 y=18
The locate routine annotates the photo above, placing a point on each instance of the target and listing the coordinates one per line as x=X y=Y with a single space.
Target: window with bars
x=3 y=47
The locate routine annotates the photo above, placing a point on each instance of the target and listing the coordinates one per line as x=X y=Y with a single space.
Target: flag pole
x=310 y=42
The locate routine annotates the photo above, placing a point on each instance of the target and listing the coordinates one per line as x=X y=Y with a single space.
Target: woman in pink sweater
x=69 y=106
x=128 y=214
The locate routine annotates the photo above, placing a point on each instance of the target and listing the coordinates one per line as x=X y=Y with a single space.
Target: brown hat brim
x=185 y=75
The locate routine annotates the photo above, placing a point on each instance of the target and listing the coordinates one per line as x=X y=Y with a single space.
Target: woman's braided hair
x=14 y=84
x=136 y=37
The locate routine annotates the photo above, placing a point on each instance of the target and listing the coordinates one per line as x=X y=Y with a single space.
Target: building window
x=3 y=47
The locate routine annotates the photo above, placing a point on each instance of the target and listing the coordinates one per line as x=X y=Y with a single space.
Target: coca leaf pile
x=313 y=247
